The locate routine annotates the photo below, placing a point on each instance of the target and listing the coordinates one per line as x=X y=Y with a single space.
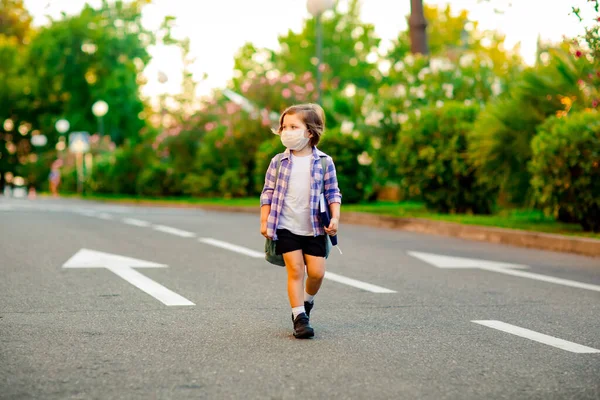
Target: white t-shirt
x=295 y=215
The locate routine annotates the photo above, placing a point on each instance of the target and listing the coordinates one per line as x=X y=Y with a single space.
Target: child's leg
x=294 y=264
x=315 y=268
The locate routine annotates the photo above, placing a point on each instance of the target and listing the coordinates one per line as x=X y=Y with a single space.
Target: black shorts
x=311 y=245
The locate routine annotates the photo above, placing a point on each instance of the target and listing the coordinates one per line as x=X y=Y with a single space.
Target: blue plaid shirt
x=274 y=196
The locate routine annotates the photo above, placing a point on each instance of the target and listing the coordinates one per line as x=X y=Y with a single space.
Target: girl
x=289 y=209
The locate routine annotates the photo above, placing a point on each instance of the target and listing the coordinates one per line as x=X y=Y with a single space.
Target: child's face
x=292 y=122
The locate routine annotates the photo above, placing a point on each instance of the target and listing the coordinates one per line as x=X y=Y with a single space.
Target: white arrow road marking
x=441 y=261
x=538 y=337
x=232 y=247
x=136 y=222
x=123 y=267
x=328 y=275
x=174 y=231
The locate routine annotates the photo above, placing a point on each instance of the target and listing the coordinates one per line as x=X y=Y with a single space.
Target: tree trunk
x=418 y=28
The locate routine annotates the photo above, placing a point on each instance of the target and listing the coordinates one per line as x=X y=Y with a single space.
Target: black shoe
x=302 y=328
x=308 y=306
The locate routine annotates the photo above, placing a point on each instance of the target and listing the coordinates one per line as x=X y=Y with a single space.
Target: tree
x=15 y=31
x=500 y=143
x=349 y=53
x=95 y=55
x=592 y=30
x=452 y=35
x=347 y=44
x=15 y=20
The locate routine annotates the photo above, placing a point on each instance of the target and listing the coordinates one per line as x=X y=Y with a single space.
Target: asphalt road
x=80 y=321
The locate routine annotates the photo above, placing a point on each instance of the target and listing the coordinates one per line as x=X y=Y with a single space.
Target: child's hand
x=263 y=229
x=333 y=227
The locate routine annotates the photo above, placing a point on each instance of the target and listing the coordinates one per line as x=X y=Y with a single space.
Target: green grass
x=529 y=220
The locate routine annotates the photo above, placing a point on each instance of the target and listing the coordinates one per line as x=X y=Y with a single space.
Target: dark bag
x=270 y=255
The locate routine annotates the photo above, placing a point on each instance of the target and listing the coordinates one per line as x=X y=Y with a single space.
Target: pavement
x=101 y=301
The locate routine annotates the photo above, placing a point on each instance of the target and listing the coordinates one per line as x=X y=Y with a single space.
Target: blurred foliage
x=500 y=141
x=15 y=21
x=433 y=163
x=347 y=44
x=353 y=160
x=565 y=167
x=451 y=35
x=95 y=55
x=591 y=37
x=421 y=82
x=62 y=68
x=479 y=106
x=265 y=153
x=15 y=93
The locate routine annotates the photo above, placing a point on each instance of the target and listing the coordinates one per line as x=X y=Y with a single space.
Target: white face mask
x=294 y=140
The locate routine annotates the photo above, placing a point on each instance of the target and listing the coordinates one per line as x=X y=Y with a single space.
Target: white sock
x=309 y=298
x=297 y=311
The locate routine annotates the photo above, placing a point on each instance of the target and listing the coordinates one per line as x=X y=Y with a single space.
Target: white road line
x=544 y=278
x=5 y=207
x=232 y=247
x=124 y=267
x=536 y=336
x=357 y=284
x=136 y=222
x=154 y=289
x=173 y=231
x=103 y=215
x=87 y=213
x=328 y=275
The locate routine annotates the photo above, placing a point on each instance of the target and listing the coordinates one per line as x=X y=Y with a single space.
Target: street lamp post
x=316 y=8
x=418 y=26
x=163 y=79
x=99 y=109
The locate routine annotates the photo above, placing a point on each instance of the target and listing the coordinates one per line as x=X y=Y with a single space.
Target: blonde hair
x=312 y=115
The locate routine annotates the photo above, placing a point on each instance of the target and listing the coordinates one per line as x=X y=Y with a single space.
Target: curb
x=515 y=237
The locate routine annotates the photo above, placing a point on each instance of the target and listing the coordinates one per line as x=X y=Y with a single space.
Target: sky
x=217 y=29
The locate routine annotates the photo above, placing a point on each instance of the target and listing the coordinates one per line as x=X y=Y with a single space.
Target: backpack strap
x=324 y=166
x=277 y=169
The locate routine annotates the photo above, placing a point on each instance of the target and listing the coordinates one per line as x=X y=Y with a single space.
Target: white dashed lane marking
x=538 y=337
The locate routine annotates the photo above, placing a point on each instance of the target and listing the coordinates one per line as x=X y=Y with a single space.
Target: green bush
x=225 y=158
x=433 y=163
x=100 y=179
x=198 y=185
x=352 y=156
x=36 y=172
x=68 y=180
x=500 y=143
x=159 y=179
x=233 y=183
x=217 y=156
x=565 y=167
x=266 y=151
x=118 y=172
